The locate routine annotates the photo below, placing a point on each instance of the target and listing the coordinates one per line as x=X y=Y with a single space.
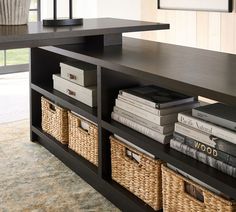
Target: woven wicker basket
x=142 y=178
x=175 y=198
x=54 y=120
x=83 y=142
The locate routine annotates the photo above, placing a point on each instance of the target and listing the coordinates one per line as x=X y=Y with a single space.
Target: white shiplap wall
x=208 y=30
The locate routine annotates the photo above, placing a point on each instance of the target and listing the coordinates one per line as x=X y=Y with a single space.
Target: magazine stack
x=151 y=110
x=208 y=134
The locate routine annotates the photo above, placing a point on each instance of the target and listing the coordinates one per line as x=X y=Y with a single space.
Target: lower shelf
x=218 y=180
x=118 y=195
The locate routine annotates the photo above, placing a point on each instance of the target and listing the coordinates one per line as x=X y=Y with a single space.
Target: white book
x=134 y=146
x=195 y=134
x=204 y=126
x=159 y=112
x=160 y=120
x=166 y=129
x=164 y=139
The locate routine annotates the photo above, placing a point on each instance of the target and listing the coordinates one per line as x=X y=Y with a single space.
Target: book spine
x=139 y=99
x=204 y=158
x=215 y=153
x=207 y=127
x=139 y=105
x=161 y=129
x=164 y=139
x=194 y=134
x=214 y=119
x=160 y=120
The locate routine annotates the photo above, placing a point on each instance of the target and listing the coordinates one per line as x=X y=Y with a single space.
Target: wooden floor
x=14 y=97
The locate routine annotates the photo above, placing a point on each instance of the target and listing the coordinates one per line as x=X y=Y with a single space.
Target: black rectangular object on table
x=217 y=113
x=156 y=97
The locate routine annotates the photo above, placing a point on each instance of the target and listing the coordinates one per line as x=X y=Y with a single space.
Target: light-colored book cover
x=160 y=120
x=164 y=139
x=166 y=129
x=204 y=126
x=194 y=134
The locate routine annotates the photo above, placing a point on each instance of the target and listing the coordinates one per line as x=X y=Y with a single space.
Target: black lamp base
x=63 y=22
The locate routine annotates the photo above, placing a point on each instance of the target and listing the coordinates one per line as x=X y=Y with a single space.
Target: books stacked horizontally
x=208 y=134
x=78 y=82
x=151 y=110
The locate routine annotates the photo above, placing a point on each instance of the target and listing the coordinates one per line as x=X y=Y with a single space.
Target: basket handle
x=51 y=107
x=80 y=126
x=132 y=156
x=193 y=192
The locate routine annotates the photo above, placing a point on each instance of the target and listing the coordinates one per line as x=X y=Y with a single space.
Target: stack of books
x=208 y=134
x=151 y=110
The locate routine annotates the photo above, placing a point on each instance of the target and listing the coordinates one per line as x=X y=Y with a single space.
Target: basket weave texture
x=54 y=120
x=143 y=179
x=175 y=199
x=84 y=143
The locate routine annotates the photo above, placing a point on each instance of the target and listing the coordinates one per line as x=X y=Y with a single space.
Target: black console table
x=135 y=62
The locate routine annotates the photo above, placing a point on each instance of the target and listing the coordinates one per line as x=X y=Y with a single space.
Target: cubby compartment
x=44 y=65
x=45 y=62
x=111 y=83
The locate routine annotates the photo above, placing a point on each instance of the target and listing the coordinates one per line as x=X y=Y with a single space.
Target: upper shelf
x=188 y=70
x=35 y=34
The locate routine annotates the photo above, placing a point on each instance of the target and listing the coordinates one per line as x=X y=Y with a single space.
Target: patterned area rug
x=32 y=179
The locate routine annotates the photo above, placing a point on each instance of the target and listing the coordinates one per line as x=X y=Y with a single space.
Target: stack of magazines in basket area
x=151 y=110
x=208 y=134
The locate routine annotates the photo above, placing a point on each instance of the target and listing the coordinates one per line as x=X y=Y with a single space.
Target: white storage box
x=86 y=95
x=80 y=76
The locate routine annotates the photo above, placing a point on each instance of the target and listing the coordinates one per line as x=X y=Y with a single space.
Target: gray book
x=217 y=113
x=215 y=153
x=204 y=158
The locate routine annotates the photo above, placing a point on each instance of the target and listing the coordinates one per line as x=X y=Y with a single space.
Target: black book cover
x=160 y=96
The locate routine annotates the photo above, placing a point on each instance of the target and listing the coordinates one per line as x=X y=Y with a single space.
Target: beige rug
x=32 y=179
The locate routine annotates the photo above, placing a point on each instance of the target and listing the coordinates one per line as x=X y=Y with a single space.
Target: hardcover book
x=215 y=153
x=160 y=120
x=204 y=158
x=207 y=139
x=166 y=129
x=204 y=126
x=156 y=97
x=160 y=112
x=217 y=113
x=164 y=139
